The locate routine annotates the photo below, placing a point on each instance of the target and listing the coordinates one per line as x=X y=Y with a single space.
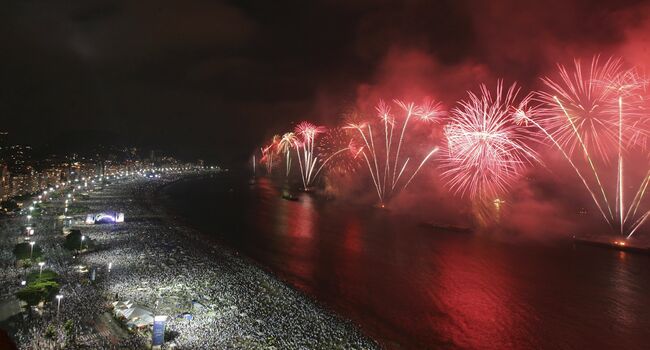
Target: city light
x=58 y=305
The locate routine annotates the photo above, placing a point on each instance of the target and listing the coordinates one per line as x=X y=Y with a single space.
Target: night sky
x=215 y=79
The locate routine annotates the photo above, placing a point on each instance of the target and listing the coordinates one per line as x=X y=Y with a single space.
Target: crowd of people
x=212 y=298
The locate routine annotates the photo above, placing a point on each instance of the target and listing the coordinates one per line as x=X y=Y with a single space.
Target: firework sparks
x=588 y=97
x=286 y=144
x=330 y=147
x=308 y=155
x=487 y=143
x=599 y=114
x=269 y=154
x=384 y=163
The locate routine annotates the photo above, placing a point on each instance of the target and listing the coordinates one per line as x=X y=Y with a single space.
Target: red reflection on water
x=476 y=297
x=623 y=306
x=349 y=268
x=352 y=235
x=302 y=217
x=299 y=244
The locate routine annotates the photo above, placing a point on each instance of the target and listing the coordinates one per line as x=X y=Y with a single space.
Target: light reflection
x=476 y=296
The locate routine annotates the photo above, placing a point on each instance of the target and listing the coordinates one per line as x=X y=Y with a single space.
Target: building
x=4 y=182
x=3 y=145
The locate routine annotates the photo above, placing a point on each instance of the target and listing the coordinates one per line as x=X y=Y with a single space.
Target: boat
x=617 y=244
x=288 y=196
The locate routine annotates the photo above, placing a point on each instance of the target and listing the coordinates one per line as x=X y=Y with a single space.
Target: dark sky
x=215 y=78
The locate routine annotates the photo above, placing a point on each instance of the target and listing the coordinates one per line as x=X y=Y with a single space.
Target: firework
x=382 y=157
x=589 y=95
x=598 y=116
x=269 y=154
x=330 y=146
x=310 y=161
x=288 y=142
x=487 y=143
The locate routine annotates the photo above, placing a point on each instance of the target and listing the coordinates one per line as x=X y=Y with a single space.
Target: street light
x=31 y=249
x=81 y=242
x=58 y=305
x=40 y=264
x=29 y=217
x=110 y=265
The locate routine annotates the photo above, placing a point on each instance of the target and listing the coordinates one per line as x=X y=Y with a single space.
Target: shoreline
x=160 y=262
x=158 y=196
x=165 y=206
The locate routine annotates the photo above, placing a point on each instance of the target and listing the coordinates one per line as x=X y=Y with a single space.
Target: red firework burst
x=486 y=146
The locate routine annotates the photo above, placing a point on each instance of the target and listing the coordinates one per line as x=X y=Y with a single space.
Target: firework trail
x=383 y=158
x=308 y=155
x=599 y=115
x=269 y=154
x=488 y=143
x=288 y=142
x=305 y=150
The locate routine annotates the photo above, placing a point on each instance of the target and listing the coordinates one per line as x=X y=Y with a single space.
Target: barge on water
x=617 y=244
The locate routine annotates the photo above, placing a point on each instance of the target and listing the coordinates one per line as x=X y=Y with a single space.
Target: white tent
x=135 y=315
x=136 y=312
x=120 y=306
